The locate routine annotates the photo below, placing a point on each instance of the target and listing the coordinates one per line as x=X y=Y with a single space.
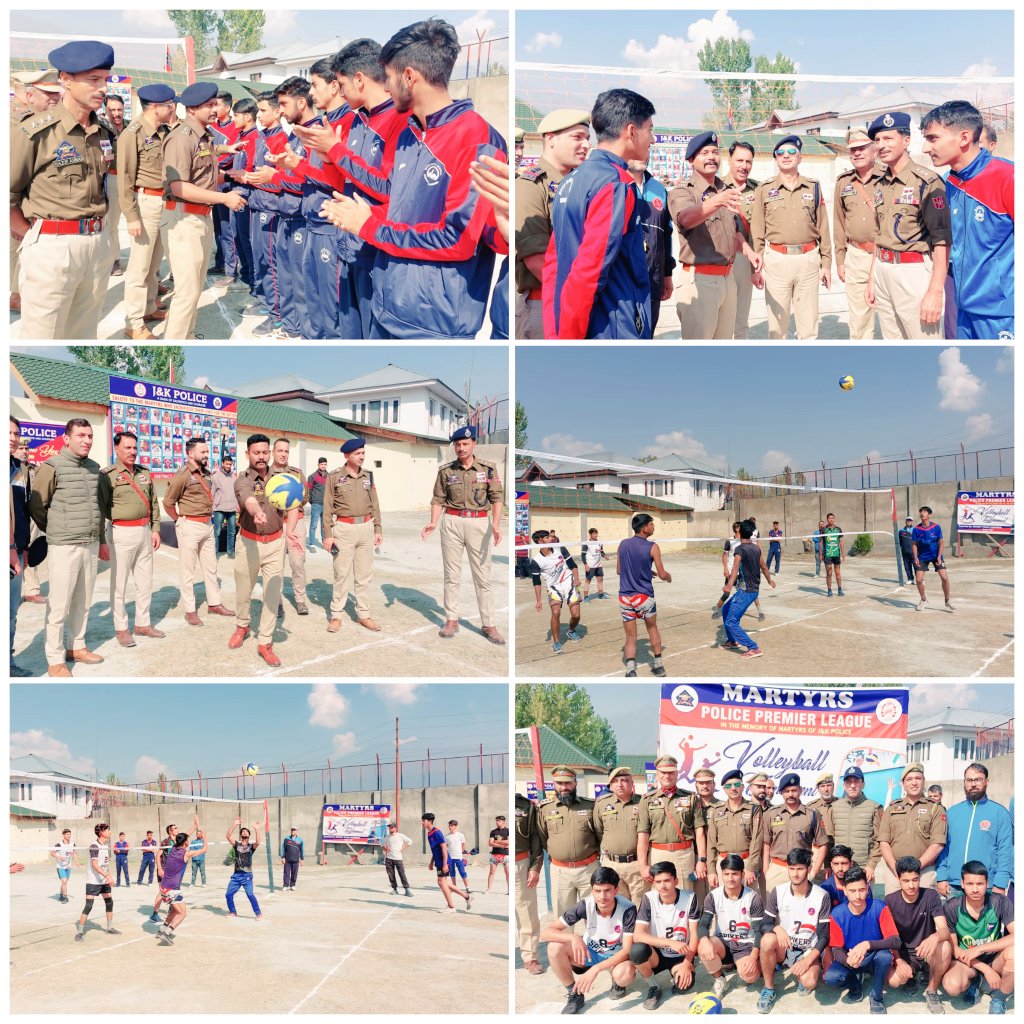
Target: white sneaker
x=920 y=605
x=448 y=910
x=469 y=902
x=721 y=984
x=949 y=607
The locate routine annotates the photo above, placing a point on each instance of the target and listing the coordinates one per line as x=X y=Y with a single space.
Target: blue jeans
x=741 y=601
x=219 y=520
x=16 y=582
x=817 y=559
x=316 y=514
x=777 y=555
x=877 y=964
x=241 y=880
x=199 y=868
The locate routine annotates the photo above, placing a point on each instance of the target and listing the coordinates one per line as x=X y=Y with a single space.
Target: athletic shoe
x=971 y=995
x=760 y=616
x=653 y=998
x=255 y=308
x=154 y=917
x=829 y=593
x=394 y=892
x=113 y=931
x=721 y=984
x=855 y=990
x=573 y=1004
x=572 y=635
x=949 y=607
x=469 y=901
x=586 y=598
x=920 y=605
x=602 y=597
x=617 y=992
x=998 y=1004
x=264 y=329
x=448 y=910
x=716 y=613
x=281 y=333
x=163 y=940
x=877 y=1006
x=840 y=592
x=934 y=1002
x=658 y=670
x=407 y=892
x=79 y=936
x=631 y=674
x=557 y=648
x=754 y=652
x=766 y=1000
x=729 y=645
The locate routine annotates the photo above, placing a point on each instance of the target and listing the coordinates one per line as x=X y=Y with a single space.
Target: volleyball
x=705 y=1002
x=252 y=768
x=846 y=383
x=285 y=491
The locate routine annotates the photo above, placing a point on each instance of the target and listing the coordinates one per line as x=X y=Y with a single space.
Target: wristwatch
x=703 y=860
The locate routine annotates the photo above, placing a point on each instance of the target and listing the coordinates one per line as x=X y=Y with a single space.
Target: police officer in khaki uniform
x=566 y=135
x=468 y=493
x=672 y=826
x=790 y=226
x=140 y=181
x=520 y=140
x=112 y=116
x=704 y=783
x=793 y=826
x=822 y=803
x=296 y=559
x=616 y=817
x=262 y=533
x=58 y=163
x=734 y=827
x=705 y=212
x=741 y=160
x=853 y=215
x=912 y=238
x=529 y=862
x=855 y=821
x=759 y=790
x=188 y=500
x=190 y=167
x=565 y=823
x=352 y=532
x=911 y=827
x=128 y=499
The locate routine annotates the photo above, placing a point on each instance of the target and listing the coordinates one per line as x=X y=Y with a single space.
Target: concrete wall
x=571 y=527
x=490 y=100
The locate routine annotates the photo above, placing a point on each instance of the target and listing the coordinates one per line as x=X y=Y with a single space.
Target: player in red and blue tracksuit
x=980 y=198
x=241 y=219
x=657 y=223
x=225 y=133
x=596 y=283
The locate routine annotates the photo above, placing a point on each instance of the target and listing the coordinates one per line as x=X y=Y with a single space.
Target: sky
x=215 y=728
x=968 y=43
x=786 y=407
x=225 y=367
x=638 y=733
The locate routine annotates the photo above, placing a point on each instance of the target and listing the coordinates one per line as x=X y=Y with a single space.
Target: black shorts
x=734 y=951
x=595 y=572
x=97 y=890
x=665 y=963
x=917 y=965
x=441 y=872
x=833 y=560
x=937 y=564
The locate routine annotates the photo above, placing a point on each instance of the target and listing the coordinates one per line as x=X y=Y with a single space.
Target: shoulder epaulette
x=35 y=126
x=531 y=173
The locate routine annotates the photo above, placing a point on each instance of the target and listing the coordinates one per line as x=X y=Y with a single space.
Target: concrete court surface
x=220 y=309
x=544 y=994
x=406 y=603
x=874 y=631
x=340 y=943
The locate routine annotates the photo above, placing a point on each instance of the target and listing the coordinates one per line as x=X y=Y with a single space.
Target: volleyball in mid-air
x=705 y=1002
x=252 y=768
x=285 y=491
x=846 y=383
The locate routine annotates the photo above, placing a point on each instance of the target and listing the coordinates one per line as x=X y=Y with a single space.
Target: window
x=362 y=412
x=355 y=411
x=584 y=487
x=256 y=76
x=386 y=410
x=431 y=410
x=659 y=488
x=394 y=411
x=444 y=416
x=624 y=488
x=963 y=749
x=671 y=487
x=377 y=464
x=14 y=791
x=698 y=488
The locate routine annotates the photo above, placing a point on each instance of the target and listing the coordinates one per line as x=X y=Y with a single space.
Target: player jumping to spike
x=171 y=872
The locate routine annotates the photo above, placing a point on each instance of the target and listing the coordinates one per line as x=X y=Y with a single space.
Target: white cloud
x=681 y=442
x=773 y=462
x=328 y=706
x=679 y=53
x=148 y=769
x=467 y=29
x=926 y=698
x=408 y=739
x=279 y=22
x=961 y=390
x=48 y=747
x=566 y=444
x=201 y=382
x=874 y=456
x=152 y=20
x=985 y=95
x=544 y=41
x=979 y=426
x=343 y=743
x=398 y=693
x=1004 y=364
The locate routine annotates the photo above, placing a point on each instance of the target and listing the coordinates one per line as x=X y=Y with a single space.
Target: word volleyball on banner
x=984 y=511
x=781 y=729
x=356 y=823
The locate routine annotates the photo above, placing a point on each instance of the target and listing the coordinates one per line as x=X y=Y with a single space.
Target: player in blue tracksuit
x=928 y=553
x=657 y=223
x=596 y=283
x=245 y=111
x=224 y=132
x=979 y=193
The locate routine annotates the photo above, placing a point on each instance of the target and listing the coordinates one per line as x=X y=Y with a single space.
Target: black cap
x=794 y=139
x=698 y=142
x=791 y=779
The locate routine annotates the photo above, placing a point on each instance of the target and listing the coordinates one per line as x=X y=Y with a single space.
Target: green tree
x=646 y=458
x=725 y=55
x=241 y=30
x=568 y=710
x=153 y=362
x=522 y=422
x=496 y=70
x=202 y=25
x=767 y=96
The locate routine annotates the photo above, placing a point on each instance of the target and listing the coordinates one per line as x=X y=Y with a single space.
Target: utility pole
x=397 y=770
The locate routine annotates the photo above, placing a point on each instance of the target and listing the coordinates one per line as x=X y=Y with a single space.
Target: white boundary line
x=988 y=661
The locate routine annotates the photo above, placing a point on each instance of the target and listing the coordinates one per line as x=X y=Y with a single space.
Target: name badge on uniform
x=367 y=484
x=908 y=197
x=879 y=197
x=67 y=155
x=454 y=478
x=807 y=196
x=149 y=142
x=107 y=149
x=204 y=151
x=583 y=814
x=773 y=193
x=481 y=478
x=848 y=190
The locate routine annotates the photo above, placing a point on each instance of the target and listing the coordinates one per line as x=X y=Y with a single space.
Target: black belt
x=627 y=859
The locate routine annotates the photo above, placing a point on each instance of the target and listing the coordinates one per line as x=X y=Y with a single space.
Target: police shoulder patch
x=531 y=173
x=36 y=125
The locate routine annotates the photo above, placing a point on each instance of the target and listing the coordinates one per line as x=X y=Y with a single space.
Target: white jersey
x=733 y=543
x=101 y=854
x=594 y=553
x=668 y=920
x=393 y=844
x=737 y=920
x=556 y=574
x=456 y=845
x=603 y=935
x=65 y=853
x=799 y=915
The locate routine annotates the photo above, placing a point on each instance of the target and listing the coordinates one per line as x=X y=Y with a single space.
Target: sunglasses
x=787 y=151
x=733 y=785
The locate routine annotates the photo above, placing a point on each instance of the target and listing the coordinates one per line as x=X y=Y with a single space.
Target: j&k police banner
x=355 y=823
x=780 y=729
x=44 y=440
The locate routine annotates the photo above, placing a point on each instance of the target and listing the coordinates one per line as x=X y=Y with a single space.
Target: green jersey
x=831 y=536
x=996 y=913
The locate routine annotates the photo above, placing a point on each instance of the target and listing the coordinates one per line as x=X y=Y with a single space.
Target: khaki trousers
x=791 y=285
x=474 y=537
x=131 y=555
x=883 y=876
x=706 y=304
x=196 y=544
x=31 y=585
x=775 y=874
x=72 y=579
x=297 y=565
x=899 y=289
x=862 y=316
x=15 y=268
x=189 y=241
x=571 y=885
x=112 y=222
x=63 y=283
x=142 y=274
x=684 y=860
x=354 y=555
x=527 y=918
x=259 y=559
x=741 y=271
x=529 y=318
x=631 y=882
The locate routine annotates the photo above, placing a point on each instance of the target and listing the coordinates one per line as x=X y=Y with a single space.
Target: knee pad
x=108 y=902
x=87 y=909
x=640 y=953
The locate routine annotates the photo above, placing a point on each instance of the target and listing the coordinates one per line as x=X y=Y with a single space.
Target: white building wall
x=422 y=410
x=73 y=802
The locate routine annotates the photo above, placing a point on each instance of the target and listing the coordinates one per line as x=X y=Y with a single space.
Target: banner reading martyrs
x=781 y=729
x=984 y=511
x=355 y=823
x=164 y=417
x=44 y=440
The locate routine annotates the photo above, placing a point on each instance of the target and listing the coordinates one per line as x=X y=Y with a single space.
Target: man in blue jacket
x=596 y=283
x=978 y=829
x=657 y=236
x=292 y=854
